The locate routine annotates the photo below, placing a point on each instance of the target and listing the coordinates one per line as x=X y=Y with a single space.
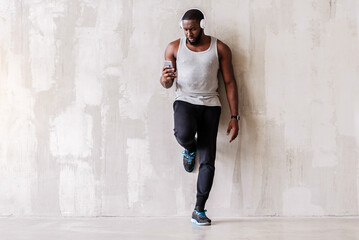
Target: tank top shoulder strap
x=180 y=46
x=214 y=45
x=213 y=42
x=182 y=42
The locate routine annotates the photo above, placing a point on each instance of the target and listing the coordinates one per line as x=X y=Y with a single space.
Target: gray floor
x=178 y=228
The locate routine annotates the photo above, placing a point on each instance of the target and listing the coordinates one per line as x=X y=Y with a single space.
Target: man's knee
x=207 y=166
x=183 y=137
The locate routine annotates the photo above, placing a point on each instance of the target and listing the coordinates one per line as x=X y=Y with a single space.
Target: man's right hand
x=168 y=75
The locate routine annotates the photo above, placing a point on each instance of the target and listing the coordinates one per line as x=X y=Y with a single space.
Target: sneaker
x=200 y=218
x=189 y=160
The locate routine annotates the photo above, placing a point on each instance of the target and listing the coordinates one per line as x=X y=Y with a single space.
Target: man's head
x=192 y=23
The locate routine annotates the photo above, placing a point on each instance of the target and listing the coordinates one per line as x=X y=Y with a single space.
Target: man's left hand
x=233 y=125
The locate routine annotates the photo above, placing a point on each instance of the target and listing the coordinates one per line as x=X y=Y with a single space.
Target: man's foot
x=189 y=160
x=200 y=218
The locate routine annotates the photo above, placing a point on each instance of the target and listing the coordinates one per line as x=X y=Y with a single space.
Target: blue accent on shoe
x=200 y=218
x=202 y=214
x=189 y=160
x=189 y=155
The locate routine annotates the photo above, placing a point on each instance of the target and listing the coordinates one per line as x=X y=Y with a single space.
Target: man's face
x=192 y=30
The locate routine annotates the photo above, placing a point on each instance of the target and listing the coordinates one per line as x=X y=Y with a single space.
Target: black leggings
x=190 y=119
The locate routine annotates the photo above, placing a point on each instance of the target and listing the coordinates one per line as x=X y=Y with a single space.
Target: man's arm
x=225 y=61
x=167 y=77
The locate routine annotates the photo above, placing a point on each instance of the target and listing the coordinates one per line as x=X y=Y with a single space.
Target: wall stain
x=333 y=5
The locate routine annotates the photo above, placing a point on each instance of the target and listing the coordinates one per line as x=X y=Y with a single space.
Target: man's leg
x=185 y=124
x=206 y=148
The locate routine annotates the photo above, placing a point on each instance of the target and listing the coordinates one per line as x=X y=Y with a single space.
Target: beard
x=196 y=41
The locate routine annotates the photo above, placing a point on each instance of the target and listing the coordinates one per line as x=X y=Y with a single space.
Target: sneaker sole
x=200 y=224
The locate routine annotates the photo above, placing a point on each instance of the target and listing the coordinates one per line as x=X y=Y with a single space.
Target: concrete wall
x=86 y=128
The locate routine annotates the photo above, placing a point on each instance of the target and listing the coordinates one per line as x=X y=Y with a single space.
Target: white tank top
x=197 y=75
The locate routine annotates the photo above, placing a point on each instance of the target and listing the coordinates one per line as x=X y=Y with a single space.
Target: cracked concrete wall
x=86 y=128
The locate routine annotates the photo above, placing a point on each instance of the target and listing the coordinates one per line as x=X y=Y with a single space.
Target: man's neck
x=204 y=39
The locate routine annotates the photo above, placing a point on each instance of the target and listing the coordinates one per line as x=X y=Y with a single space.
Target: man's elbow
x=230 y=83
x=166 y=85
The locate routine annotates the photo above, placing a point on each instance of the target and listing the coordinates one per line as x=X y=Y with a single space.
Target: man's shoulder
x=175 y=43
x=223 y=48
x=172 y=47
x=221 y=44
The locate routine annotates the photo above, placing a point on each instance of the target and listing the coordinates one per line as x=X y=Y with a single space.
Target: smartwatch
x=235 y=117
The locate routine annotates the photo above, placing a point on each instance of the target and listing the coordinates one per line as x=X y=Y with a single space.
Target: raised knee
x=183 y=137
x=207 y=166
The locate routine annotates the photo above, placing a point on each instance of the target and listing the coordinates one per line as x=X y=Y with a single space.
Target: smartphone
x=169 y=63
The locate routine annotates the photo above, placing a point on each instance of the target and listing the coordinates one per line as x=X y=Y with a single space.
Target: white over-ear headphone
x=202 y=23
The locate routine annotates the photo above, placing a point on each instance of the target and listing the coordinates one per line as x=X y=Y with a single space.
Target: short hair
x=193 y=14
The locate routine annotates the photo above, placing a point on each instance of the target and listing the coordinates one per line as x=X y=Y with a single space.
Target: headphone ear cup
x=180 y=24
x=202 y=23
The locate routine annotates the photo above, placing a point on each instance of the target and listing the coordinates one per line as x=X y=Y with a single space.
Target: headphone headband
x=202 y=23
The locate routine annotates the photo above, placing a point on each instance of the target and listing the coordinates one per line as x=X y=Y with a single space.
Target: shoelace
x=202 y=214
x=189 y=156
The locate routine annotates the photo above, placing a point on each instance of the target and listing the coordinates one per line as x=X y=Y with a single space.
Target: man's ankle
x=199 y=208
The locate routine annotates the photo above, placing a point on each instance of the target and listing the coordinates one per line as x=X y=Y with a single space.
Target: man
x=197 y=58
